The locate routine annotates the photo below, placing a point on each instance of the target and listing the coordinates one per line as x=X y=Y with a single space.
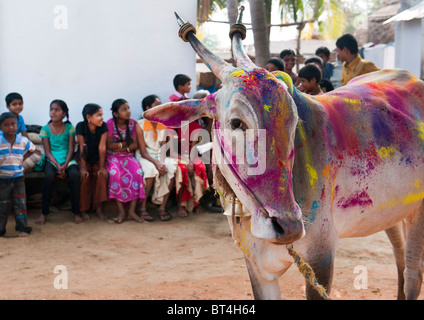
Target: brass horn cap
x=185 y=29
x=240 y=28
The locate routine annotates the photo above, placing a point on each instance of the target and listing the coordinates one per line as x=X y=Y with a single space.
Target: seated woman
x=151 y=136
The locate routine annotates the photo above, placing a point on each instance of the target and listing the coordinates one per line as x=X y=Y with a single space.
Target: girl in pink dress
x=125 y=174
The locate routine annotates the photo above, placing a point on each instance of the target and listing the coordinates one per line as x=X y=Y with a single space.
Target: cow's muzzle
x=286 y=231
x=279 y=229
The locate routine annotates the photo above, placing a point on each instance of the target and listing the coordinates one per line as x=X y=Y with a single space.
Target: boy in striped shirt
x=13 y=151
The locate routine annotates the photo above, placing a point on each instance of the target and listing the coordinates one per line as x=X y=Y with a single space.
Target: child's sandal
x=145 y=215
x=164 y=216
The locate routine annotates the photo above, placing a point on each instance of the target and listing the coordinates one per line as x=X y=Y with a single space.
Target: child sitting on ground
x=13 y=151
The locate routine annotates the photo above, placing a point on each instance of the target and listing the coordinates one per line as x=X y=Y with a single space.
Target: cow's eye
x=236 y=124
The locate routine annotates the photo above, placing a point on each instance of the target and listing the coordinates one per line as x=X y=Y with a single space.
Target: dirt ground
x=183 y=259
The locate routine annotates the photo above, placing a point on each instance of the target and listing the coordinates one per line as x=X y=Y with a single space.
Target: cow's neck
x=308 y=141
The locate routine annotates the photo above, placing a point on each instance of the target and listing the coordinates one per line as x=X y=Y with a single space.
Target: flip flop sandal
x=145 y=215
x=164 y=216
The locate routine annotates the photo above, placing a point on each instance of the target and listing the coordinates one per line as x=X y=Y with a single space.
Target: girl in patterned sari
x=125 y=174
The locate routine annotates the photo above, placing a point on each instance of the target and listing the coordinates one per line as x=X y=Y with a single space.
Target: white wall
x=91 y=51
x=422 y=49
x=389 y=56
x=408 y=38
x=376 y=55
x=383 y=55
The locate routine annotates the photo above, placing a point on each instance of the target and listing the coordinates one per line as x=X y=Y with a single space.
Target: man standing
x=353 y=64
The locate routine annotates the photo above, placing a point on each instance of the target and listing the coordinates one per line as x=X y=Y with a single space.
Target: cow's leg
x=263 y=289
x=396 y=239
x=322 y=262
x=413 y=254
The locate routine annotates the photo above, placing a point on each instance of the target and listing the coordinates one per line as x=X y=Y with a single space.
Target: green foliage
x=212 y=6
x=292 y=10
x=329 y=14
x=334 y=17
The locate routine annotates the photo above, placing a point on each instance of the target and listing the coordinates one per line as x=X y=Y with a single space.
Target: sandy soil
x=183 y=259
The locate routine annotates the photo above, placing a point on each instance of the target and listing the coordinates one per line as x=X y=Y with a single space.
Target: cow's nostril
x=277 y=227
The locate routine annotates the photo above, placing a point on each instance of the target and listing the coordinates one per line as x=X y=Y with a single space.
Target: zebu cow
x=348 y=163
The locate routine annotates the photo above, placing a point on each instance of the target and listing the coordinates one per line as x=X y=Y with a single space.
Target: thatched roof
x=390 y=8
x=377 y=31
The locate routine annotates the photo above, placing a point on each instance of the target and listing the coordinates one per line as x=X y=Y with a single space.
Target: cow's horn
x=188 y=33
x=237 y=34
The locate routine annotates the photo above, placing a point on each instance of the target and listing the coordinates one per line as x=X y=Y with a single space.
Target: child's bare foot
x=78 y=219
x=135 y=216
x=182 y=212
x=41 y=220
x=199 y=209
x=100 y=214
x=23 y=234
x=85 y=216
x=120 y=218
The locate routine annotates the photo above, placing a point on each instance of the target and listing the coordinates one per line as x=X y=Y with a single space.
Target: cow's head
x=257 y=107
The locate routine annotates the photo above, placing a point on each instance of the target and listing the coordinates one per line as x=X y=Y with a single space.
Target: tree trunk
x=268 y=10
x=260 y=32
x=300 y=27
x=232 y=7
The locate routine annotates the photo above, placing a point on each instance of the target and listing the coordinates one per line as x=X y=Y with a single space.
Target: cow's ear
x=286 y=80
x=172 y=114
